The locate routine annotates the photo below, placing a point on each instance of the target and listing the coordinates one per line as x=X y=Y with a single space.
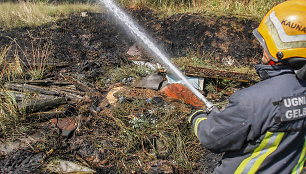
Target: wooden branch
x=41 y=104
x=80 y=85
x=43 y=83
x=45 y=116
x=31 y=88
x=19 y=96
x=39 y=82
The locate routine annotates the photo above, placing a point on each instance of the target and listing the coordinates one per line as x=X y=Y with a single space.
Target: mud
x=89 y=47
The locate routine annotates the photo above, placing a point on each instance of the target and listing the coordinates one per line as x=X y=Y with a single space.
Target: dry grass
x=209 y=62
x=26 y=14
x=144 y=137
x=9 y=113
x=37 y=59
x=10 y=68
x=255 y=9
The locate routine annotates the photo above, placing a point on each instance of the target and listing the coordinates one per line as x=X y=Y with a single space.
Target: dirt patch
x=78 y=38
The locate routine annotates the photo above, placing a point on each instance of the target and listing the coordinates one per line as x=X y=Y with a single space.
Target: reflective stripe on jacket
x=253 y=131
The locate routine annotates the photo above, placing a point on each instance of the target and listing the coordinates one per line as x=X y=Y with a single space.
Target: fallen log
x=43 y=83
x=62 y=83
x=19 y=96
x=73 y=91
x=72 y=96
x=81 y=86
x=37 y=82
x=70 y=93
x=212 y=73
x=31 y=88
x=41 y=104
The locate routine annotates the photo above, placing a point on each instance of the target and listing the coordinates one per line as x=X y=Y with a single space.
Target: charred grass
x=142 y=132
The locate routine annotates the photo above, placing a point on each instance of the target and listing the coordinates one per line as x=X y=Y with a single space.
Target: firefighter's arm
x=224 y=131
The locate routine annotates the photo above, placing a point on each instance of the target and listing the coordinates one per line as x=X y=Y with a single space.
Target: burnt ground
x=78 y=38
x=86 y=49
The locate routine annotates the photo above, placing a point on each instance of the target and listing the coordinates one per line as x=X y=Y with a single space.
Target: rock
x=62 y=166
x=8 y=147
x=153 y=81
x=110 y=96
x=134 y=51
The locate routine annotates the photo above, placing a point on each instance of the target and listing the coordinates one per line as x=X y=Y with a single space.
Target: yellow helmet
x=282 y=33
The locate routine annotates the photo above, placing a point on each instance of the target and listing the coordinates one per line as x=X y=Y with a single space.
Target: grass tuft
x=10 y=70
x=9 y=113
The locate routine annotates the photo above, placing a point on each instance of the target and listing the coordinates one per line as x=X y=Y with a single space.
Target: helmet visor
x=263 y=44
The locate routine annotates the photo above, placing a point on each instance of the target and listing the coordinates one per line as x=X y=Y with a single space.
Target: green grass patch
x=254 y=9
x=10 y=115
x=211 y=63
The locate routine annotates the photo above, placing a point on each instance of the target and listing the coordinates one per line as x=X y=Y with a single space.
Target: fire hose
x=137 y=32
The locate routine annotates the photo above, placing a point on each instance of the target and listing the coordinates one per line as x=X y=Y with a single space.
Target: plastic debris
x=196 y=82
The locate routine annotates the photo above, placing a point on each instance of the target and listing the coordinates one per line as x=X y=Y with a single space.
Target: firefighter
x=263 y=128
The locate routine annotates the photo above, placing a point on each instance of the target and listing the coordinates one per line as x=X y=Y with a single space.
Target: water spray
x=151 y=47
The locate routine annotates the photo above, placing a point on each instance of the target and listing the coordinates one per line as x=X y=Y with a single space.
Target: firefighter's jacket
x=263 y=128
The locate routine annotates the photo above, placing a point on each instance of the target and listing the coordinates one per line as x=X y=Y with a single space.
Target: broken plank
x=212 y=73
x=41 y=104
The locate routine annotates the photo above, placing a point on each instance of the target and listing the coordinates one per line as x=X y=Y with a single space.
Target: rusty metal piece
x=180 y=92
x=67 y=125
x=211 y=73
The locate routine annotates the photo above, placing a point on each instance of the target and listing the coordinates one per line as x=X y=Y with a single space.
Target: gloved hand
x=201 y=111
x=195 y=114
